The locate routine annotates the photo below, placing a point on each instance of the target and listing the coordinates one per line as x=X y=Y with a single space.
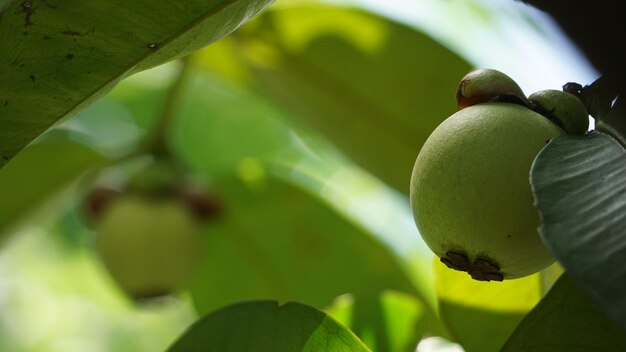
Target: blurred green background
x=306 y=122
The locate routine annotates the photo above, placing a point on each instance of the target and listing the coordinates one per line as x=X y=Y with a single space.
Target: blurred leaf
x=219 y=126
x=482 y=315
x=4 y=4
x=566 y=321
x=107 y=127
x=549 y=276
x=266 y=326
x=386 y=321
x=60 y=56
x=579 y=184
x=223 y=129
x=375 y=88
x=276 y=241
x=41 y=170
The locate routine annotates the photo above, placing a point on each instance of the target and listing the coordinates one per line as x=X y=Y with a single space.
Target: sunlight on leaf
x=376 y=96
x=482 y=315
x=386 y=321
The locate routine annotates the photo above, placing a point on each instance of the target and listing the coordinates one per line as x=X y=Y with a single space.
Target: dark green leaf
x=377 y=89
x=4 y=4
x=599 y=95
x=41 y=170
x=56 y=57
x=566 y=321
x=276 y=241
x=266 y=326
x=614 y=124
x=482 y=315
x=599 y=98
x=579 y=184
x=386 y=321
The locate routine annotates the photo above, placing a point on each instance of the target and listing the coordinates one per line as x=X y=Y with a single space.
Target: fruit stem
x=599 y=98
x=157 y=142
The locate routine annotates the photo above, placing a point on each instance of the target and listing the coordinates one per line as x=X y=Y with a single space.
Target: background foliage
x=305 y=122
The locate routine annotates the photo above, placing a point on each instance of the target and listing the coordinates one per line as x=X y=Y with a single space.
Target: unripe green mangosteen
x=488 y=85
x=150 y=246
x=471 y=195
x=564 y=108
x=150 y=227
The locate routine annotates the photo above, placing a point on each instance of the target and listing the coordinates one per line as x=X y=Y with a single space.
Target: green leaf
x=266 y=326
x=579 y=183
x=41 y=171
x=59 y=56
x=276 y=241
x=386 y=321
x=566 y=321
x=482 y=315
x=549 y=276
x=375 y=88
x=599 y=98
x=4 y=4
x=599 y=95
x=614 y=124
x=220 y=126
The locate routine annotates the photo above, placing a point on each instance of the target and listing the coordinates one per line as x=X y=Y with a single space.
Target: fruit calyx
x=160 y=180
x=562 y=108
x=488 y=85
x=482 y=269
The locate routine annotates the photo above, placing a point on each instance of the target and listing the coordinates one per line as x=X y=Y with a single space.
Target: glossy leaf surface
x=579 y=184
x=266 y=326
x=60 y=56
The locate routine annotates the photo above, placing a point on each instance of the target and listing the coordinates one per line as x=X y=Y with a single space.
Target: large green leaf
x=482 y=315
x=579 y=184
x=386 y=321
x=57 y=56
x=276 y=241
x=566 y=321
x=220 y=127
x=377 y=89
x=266 y=326
x=42 y=170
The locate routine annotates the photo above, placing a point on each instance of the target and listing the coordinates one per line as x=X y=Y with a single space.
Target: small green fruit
x=151 y=247
x=470 y=191
x=485 y=85
x=565 y=108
